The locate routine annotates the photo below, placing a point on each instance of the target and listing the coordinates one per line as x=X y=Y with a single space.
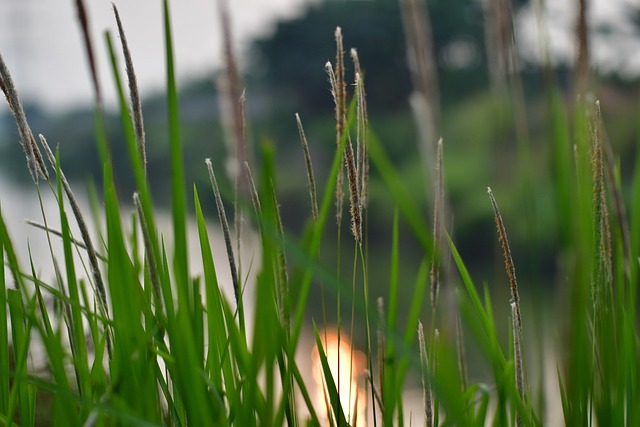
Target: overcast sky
x=41 y=43
x=615 y=40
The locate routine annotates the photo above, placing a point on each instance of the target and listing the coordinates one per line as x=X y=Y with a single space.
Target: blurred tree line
x=292 y=59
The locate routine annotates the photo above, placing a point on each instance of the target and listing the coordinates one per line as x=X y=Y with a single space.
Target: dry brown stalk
x=84 y=26
x=134 y=93
x=424 y=100
x=491 y=40
x=499 y=40
x=416 y=23
x=310 y=174
x=232 y=91
x=581 y=75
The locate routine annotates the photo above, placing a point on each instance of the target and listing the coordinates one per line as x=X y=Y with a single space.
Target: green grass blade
x=389 y=388
x=135 y=375
x=77 y=338
x=312 y=249
x=329 y=382
x=178 y=186
x=4 y=337
x=21 y=332
x=215 y=316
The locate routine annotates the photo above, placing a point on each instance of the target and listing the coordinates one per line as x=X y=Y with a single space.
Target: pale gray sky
x=615 y=44
x=41 y=43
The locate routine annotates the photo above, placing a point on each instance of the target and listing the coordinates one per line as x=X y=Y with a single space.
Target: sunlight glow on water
x=347 y=367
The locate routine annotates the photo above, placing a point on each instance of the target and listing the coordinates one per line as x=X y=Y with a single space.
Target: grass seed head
x=134 y=93
x=35 y=164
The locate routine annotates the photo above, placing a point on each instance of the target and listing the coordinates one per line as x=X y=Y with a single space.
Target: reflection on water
x=347 y=367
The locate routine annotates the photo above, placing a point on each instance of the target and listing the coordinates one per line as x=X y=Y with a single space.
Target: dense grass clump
x=135 y=337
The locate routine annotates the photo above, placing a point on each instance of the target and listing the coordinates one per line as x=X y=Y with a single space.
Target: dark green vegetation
x=135 y=337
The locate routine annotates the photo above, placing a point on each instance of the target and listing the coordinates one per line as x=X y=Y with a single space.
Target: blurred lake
x=19 y=202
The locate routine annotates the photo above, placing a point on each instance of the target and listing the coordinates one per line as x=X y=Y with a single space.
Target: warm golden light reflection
x=347 y=367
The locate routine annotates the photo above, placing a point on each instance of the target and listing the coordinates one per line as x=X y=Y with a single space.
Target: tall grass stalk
x=84 y=231
x=222 y=216
x=134 y=93
x=35 y=163
x=515 y=298
x=310 y=175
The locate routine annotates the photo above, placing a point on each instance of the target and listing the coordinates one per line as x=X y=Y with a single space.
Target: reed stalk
x=222 y=216
x=231 y=87
x=515 y=297
x=134 y=93
x=340 y=178
x=35 y=162
x=362 y=129
x=310 y=175
x=84 y=232
x=88 y=46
